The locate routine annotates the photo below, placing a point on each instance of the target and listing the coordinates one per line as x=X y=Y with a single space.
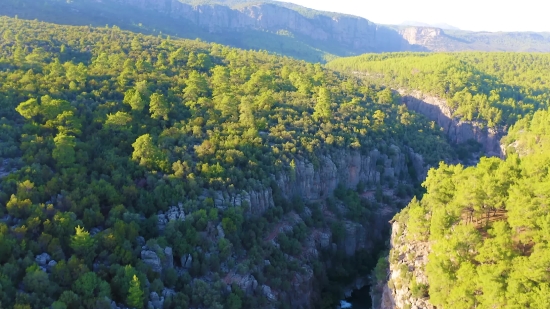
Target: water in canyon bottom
x=360 y=299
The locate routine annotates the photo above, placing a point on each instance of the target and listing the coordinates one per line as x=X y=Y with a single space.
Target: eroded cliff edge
x=458 y=131
x=354 y=34
x=314 y=182
x=406 y=283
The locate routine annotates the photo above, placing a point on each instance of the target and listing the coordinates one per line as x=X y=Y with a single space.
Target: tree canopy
x=104 y=131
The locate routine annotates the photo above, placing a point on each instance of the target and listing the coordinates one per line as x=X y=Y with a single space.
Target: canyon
x=458 y=131
x=314 y=183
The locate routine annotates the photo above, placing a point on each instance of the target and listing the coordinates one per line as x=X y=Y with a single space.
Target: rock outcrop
x=157 y=258
x=5 y=170
x=313 y=183
x=421 y=35
x=357 y=236
x=186 y=261
x=257 y=201
x=458 y=131
x=151 y=258
x=355 y=34
x=407 y=262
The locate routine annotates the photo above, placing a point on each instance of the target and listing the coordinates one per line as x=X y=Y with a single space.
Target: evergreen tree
x=64 y=152
x=158 y=107
x=322 y=107
x=83 y=244
x=135 y=294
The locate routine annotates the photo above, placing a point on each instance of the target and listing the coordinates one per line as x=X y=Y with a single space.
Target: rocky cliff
x=421 y=35
x=406 y=284
x=274 y=26
x=356 y=34
x=458 y=131
x=347 y=167
x=314 y=182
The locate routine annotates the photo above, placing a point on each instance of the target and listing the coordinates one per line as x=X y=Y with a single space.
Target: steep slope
x=146 y=171
x=278 y=27
x=470 y=95
x=439 y=39
x=479 y=236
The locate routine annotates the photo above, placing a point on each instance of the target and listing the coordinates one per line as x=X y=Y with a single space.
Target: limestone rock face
x=157 y=257
x=458 y=131
x=357 y=236
x=266 y=290
x=314 y=182
x=151 y=258
x=247 y=283
x=42 y=259
x=4 y=169
x=186 y=261
x=173 y=213
x=155 y=302
x=168 y=258
x=256 y=201
x=395 y=292
x=346 y=167
x=353 y=33
x=421 y=35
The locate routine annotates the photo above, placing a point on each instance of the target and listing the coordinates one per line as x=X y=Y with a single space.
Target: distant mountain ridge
x=443 y=26
x=278 y=27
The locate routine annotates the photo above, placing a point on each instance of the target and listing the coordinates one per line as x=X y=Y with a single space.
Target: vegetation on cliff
x=496 y=89
x=104 y=130
x=488 y=225
x=155 y=18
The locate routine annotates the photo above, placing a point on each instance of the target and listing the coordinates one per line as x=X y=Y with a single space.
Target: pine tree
x=83 y=244
x=64 y=152
x=322 y=108
x=158 y=107
x=135 y=294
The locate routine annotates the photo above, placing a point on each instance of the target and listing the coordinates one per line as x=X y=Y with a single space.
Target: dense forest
x=495 y=89
x=103 y=131
x=488 y=226
x=129 y=16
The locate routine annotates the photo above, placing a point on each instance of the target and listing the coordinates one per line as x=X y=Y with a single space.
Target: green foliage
x=135 y=294
x=322 y=107
x=488 y=226
x=64 y=152
x=83 y=244
x=381 y=269
x=493 y=88
x=102 y=131
x=418 y=290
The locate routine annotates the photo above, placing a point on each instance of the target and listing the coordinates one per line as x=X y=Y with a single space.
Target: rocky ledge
x=356 y=34
x=406 y=284
x=458 y=131
x=313 y=182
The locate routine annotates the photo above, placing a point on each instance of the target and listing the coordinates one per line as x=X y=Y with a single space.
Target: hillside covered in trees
x=496 y=89
x=106 y=132
x=277 y=26
x=487 y=227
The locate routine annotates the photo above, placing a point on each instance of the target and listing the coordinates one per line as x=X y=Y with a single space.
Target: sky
x=475 y=15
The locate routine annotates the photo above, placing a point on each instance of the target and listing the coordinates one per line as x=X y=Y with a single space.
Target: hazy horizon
x=473 y=15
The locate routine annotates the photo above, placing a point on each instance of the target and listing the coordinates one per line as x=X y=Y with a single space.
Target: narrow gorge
x=406 y=283
x=376 y=174
x=458 y=131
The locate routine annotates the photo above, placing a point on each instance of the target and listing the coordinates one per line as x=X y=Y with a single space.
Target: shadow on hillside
x=134 y=19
